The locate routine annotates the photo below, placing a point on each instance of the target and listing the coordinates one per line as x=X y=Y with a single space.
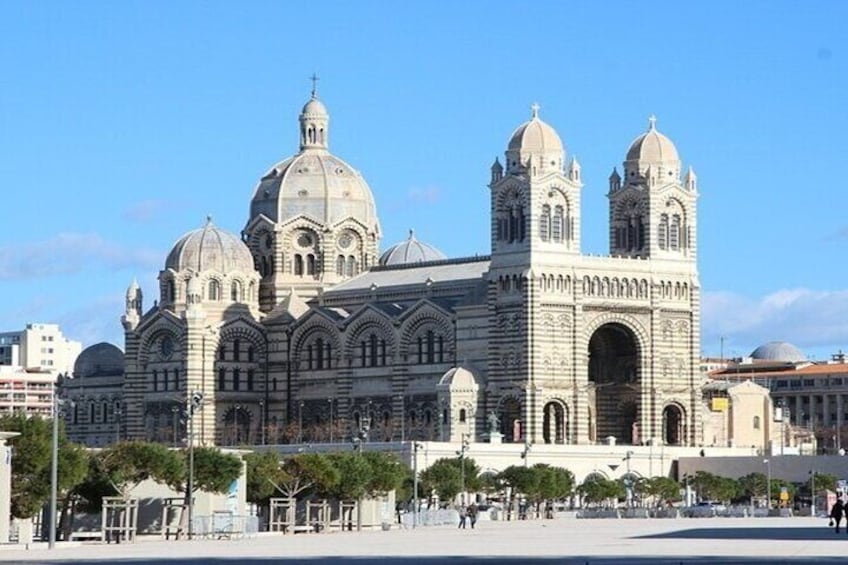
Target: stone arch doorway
x=555 y=423
x=236 y=426
x=673 y=425
x=512 y=426
x=614 y=382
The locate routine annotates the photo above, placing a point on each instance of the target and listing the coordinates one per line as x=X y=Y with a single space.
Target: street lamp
x=118 y=423
x=174 y=411
x=526 y=453
x=462 y=449
x=195 y=402
x=54 y=471
x=628 y=481
x=330 y=401
x=812 y=492
x=262 y=421
x=402 y=418
x=768 y=483
x=300 y=422
x=415 y=447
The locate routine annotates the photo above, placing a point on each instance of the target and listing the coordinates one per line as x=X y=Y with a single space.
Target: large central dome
x=314 y=183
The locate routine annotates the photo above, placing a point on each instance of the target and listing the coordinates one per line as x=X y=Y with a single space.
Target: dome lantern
x=534 y=147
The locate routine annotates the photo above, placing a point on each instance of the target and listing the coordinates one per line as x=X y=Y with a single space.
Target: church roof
x=416 y=273
x=779 y=351
x=411 y=250
x=210 y=248
x=652 y=147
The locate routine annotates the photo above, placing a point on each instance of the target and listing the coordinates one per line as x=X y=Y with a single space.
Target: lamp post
x=526 y=453
x=415 y=447
x=330 y=401
x=768 y=483
x=402 y=418
x=236 y=424
x=262 y=421
x=812 y=492
x=194 y=404
x=174 y=411
x=300 y=422
x=117 y=424
x=54 y=472
x=628 y=481
x=462 y=449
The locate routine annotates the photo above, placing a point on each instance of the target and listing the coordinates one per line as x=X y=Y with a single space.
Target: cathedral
x=300 y=330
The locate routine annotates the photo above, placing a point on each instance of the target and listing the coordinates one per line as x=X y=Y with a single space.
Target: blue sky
x=123 y=124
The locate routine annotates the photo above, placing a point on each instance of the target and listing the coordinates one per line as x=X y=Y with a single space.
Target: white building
x=41 y=347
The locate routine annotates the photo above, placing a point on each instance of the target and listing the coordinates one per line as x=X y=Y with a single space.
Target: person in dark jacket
x=836 y=512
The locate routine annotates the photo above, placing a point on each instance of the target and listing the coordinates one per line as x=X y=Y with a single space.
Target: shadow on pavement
x=742 y=533
x=463 y=560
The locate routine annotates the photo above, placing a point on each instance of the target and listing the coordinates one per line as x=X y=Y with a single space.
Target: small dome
x=314 y=108
x=210 y=249
x=535 y=136
x=411 y=251
x=458 y=377
x=778 y=351
x=99 y=360
x=652 y=147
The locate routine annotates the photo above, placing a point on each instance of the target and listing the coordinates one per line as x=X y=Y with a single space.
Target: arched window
x=662 y=232
x=462 y=415
x=235 y=292
x=221 y=353
x=298 y=264
x=165 y=379
x=340 y=265
x=170 y=291
x=236 y=350
x=236 y=378
x=557 y=225
x=222 y=378
x=155 y=380
x=351 y=265
x=310 y=264
x=214 y=292
x=319 y=349
x=756 y=422
x=251 y=354
x=674 y=233
x=250 y=374
x=545 y=223
x=105 y=412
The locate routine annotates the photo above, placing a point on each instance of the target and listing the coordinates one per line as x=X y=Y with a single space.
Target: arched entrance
x=555 y=423
x=614 y=383
x=672 y=419
x=511 y=423
x=236 y=426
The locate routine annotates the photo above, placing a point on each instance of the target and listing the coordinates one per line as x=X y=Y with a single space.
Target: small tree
x=442 y=477
x=263 y=473
x=127 y=464
x=597 y=489
x=32 y=462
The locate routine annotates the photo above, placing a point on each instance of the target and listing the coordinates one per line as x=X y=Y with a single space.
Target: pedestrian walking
x=463 y=514
x=472 y=514
x=836 y=512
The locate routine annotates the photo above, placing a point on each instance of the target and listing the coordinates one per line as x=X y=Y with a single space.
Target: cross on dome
x=534 y=109
x=314 y=78
x=652 y=122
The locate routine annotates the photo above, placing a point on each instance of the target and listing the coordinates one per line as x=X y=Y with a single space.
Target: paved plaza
x=565 y=540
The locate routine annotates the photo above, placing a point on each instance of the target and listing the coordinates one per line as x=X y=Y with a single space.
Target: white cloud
x=428 y=195
x=145 y=211
x=70 y=253
x=813 y=320
x=96 y=321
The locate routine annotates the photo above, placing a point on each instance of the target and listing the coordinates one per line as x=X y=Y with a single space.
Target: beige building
x=299 y=329
x=810 y=398
x=39 y=346
x=28 y=392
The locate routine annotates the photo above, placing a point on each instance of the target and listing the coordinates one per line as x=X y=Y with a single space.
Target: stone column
x=5 y=485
